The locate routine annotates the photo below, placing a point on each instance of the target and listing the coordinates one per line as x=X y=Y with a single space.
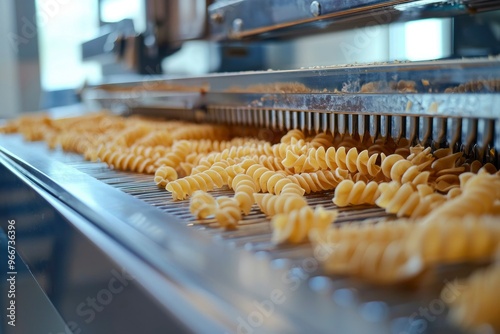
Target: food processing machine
x=104 y=251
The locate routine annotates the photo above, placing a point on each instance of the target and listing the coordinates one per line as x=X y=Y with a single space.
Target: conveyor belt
x=386 y=308
x=254 y=231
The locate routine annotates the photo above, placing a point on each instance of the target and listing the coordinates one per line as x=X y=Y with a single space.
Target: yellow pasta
x=292 y=135
x=228 y=212
x=268 y=180
x=476 y=302
x=126 y=161
x=350 y=193
x=274 y=204
x=316 y=181
x=456 y=239
x=408 y=200
x=396 y=168
x=419 y=155
x=375 y=252
x=165 y=174
x=215 y=177
x=322 y=139
x=366 y=164
x=479 y=194
x=294 y=227
x=202 y=204
x=244 y=188
x=180 y=150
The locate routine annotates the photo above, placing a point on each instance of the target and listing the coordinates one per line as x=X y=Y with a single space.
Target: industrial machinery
x=102 y=251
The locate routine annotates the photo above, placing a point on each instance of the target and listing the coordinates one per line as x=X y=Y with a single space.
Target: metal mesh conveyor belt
x=254 y=231
x=385 y=306
x=254 y=234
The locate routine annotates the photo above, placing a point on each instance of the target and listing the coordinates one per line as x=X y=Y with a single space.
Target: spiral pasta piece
x=419 y=155
x=408 y=200
x=202 y=204
x=127 y=161
x=228 y=212
x=322 y=139
x=274 y=204
x=350 y=193
x=366 y=164
x=244 y=188
x=317 y=181
x=294 y=227
x=163 y=175
x=385 y=231
x=375 y=252
x=398 y=169
x=292 y=135
x=178 y=154
x=210 y=179
x=266 y=179
x=457 y=239
x=155 y=138
x=376 y=261
x=476 y=302
x=479 y=194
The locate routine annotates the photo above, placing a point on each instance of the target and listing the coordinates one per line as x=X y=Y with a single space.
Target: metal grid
x=254 y=231
x=391 y=304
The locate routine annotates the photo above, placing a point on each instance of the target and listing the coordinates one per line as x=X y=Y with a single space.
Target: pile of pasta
x=445 y=206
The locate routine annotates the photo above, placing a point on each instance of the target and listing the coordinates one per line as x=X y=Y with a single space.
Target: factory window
x=421 y=40
x=117 y=10
x=62 y=27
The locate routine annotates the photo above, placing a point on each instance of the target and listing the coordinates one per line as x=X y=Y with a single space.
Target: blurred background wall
x=9 y=90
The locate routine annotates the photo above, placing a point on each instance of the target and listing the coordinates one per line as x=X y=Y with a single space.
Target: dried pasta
x=215 y=177
x=165 y=174
x=408 y=200
x=294 y=226
x=202 y=204
x=375 y=252
x=244 y=187
x=228 y=212
x=397 y=168
x=266 y=179
x=479 y=194
x=456 y=239
x=350 y=193
x=476 y=302
x=316 y=181
x=274 y=204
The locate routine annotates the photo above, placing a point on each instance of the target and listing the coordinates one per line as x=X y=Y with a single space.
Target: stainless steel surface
x=177 y=21
x=271 y=18
x=231 y=270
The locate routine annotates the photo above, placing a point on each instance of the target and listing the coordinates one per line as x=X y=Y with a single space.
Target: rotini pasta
x=202 y=204
x=350 y=193
x=378 y=262
x=408 y=200
x=267 y=180
x=244 y=188
x=478 y=197
x=398 y=169
x=163 y=175
x=215 y=177
x=126 y=161
x=294 y=226
x=468 y=238
x=375 y=252
x=275 y=204
x=317 y=181
x=476 y=303
x=228 y=212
